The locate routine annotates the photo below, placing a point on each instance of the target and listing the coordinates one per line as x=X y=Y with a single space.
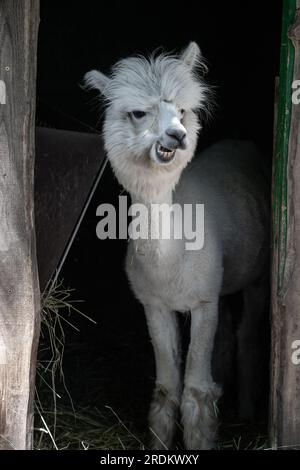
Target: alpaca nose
x=178 y=135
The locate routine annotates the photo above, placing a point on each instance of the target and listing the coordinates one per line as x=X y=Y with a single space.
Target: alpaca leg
x=163 y=329
x=200 y=392
x=252 y=358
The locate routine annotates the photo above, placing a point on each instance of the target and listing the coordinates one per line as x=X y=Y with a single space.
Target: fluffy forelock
x=143 y=81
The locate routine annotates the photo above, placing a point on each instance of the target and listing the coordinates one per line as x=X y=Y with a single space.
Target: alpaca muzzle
x=176 y=137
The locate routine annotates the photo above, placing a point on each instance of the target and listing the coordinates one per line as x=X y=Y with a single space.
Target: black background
x=240 y=41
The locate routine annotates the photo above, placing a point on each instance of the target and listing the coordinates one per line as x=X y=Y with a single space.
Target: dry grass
x=58 y=424
x=86 y=429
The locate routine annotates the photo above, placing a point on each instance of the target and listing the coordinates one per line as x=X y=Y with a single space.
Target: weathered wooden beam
x=19 y=288
x=285 y=377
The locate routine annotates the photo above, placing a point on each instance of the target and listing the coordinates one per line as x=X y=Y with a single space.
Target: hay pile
x=58 y=423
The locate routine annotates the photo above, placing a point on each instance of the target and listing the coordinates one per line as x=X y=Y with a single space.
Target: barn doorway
x=108 y=367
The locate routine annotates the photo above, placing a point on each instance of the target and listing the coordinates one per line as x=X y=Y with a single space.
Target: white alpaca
x=150 y=135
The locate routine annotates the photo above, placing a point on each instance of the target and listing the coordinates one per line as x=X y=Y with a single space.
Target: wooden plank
x=285 y=377
x=19 y=288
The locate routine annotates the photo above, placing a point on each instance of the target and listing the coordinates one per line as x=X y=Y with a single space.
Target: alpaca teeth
x=164 y=153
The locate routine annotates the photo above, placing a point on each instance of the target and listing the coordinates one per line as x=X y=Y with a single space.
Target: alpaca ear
x=97 y=80
x=191 y=55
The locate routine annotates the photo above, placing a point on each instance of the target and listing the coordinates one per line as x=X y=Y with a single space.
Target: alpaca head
x=151 y=123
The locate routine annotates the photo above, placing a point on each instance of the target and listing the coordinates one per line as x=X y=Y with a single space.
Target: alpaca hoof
x=199 y=418
x=162 y=419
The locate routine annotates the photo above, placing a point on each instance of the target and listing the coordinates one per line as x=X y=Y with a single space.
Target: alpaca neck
x=158 y=198
x=154 y=246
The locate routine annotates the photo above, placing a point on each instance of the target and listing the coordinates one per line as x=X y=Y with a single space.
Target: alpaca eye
x=138 y=114
x=182 y=111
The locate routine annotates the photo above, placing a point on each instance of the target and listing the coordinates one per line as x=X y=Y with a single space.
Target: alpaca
x=150 y=135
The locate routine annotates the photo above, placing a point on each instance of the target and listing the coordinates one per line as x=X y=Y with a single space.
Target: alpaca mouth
x=164 y=154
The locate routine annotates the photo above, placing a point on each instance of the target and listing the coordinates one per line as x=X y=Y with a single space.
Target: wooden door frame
x=19 y=286
x=19 y=290
x=284 y=428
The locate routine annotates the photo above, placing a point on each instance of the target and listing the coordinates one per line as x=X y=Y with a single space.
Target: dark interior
x=111 y=363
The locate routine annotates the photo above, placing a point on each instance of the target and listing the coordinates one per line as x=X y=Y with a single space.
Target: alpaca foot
x=199 y=417
x=162 y=418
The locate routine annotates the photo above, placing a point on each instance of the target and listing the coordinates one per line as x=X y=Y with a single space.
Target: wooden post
x=19 y=288
x=285 y=377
